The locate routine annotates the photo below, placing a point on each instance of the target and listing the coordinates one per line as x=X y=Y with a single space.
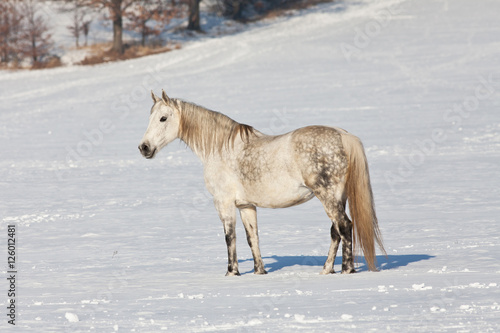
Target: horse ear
x=164 y=96
x=155 y=99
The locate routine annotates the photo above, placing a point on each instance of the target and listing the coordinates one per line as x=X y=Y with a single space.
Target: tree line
x=25 y=31
x=139 y=15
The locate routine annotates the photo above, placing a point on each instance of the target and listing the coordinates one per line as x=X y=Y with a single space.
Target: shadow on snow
x=384 y=263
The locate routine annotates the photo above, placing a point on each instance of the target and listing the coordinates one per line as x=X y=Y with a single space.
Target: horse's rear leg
x=345 y=226
x=332 y=253
x=249 y=218
x=341 y=230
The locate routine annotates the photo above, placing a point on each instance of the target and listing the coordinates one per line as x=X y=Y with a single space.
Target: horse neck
x=206 y=132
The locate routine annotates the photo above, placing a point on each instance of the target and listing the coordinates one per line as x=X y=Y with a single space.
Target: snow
x=71 y=317
x=109 y=241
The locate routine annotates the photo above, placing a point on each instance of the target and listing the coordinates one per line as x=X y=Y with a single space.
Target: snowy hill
x=108 y=241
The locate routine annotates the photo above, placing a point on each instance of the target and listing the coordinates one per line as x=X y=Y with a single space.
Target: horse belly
x=276 y=194
x=269 y=175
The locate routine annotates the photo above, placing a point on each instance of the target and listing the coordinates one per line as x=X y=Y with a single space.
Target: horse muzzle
x=147 y=151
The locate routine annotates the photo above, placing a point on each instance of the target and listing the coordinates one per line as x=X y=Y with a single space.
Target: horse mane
x=206 y=131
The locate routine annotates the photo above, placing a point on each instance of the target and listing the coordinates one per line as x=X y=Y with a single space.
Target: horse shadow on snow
x=276 y=263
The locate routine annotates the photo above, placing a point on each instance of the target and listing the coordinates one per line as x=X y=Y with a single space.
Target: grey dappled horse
x=245 y=169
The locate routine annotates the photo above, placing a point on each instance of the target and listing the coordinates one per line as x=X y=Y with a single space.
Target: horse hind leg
x=345 y=227
x=341 y=231
x=332 y=253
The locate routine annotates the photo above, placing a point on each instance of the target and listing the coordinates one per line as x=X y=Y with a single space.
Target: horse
x=245 y=169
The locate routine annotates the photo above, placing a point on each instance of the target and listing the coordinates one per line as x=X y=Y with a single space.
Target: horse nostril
x=144 y=148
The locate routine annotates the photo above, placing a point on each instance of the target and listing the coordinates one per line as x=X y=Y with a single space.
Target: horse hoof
x=233 y=273
x=349 y=271
x=327 y=272
x=260 y=272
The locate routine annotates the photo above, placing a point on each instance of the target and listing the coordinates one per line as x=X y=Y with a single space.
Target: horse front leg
x=227 y=215
x=249 y=218
x=230 y=235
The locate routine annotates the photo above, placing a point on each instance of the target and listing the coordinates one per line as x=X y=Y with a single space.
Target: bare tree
x=233 y=8
x=143 y=12
x=80 y=23
x=75 y=28
x=139 y=14
x=86 y=29
x=116 y=10
x=36 y=41
x=11 y=26
x=194 y=15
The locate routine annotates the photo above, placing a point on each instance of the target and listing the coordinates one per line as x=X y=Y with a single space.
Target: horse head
x=163 y=128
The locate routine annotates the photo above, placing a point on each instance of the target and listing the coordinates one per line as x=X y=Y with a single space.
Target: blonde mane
x=206 y=131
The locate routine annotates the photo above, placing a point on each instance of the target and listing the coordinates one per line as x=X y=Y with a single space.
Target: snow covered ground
x=108 y=241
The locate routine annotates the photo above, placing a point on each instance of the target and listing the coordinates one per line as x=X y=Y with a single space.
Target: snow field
x=109 y=241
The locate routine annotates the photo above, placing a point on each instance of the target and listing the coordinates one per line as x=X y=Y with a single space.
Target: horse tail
x=360 y=197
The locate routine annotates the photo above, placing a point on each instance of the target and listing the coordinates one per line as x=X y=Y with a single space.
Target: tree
x=194 y=15
x=11 y=26
x=75 y=28
x=233 y=8
x=116 y=10
x=139 y=14
x=143 y=12
x=80 y=22
x=36 y=41
x=86 y=29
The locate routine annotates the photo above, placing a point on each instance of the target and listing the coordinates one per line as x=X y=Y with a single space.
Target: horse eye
x=163 y=119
